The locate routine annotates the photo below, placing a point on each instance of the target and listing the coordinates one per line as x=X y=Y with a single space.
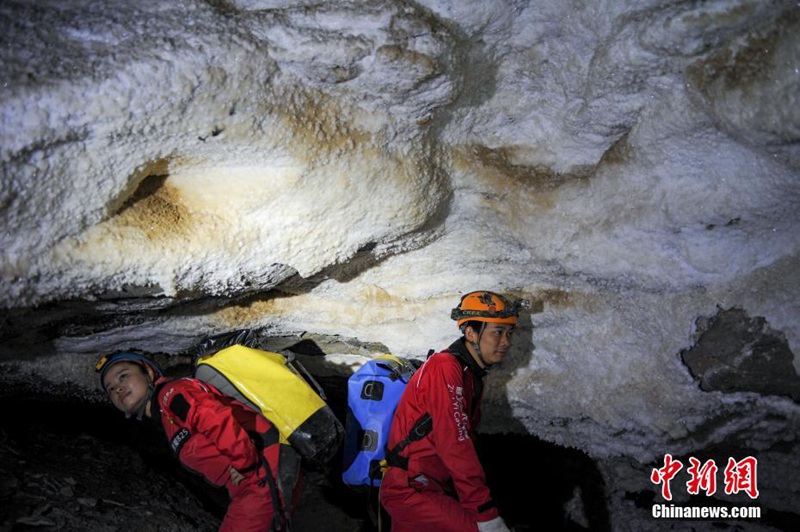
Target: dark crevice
x=535 y=481
x=146 y=188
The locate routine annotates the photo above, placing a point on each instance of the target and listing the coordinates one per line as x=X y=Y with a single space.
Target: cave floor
x=73 y=465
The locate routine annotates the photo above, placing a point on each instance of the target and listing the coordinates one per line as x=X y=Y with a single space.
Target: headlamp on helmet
x=488 y=307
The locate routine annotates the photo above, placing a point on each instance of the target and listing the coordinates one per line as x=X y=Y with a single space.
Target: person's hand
x=495 y=525
x=236 y=477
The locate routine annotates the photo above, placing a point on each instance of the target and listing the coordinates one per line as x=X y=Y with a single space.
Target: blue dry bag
x=372 y=396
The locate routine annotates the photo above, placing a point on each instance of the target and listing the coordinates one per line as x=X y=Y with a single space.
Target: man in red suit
x=435 y=481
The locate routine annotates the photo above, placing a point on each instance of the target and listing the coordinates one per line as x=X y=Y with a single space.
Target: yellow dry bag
x=268 y=382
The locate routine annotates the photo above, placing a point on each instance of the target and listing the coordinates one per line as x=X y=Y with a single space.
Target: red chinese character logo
x=703 y=477
x=665 y=474
x=741 y=476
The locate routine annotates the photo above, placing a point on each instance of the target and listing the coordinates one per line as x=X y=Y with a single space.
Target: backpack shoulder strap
x=421 y=428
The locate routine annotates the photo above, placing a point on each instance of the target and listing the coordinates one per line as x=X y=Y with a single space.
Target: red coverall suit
x=444 y=488
x=208 y=432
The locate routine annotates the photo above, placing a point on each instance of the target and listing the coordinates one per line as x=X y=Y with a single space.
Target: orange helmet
x=487 y=307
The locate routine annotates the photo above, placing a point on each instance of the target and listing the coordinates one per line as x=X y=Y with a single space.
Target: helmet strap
x=477 y=347
x=139 y=414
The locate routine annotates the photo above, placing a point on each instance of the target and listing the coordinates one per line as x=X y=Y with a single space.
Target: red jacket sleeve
x=201 y=412
x=452 y=437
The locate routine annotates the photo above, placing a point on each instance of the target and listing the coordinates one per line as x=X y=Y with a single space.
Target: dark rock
x=737 y=353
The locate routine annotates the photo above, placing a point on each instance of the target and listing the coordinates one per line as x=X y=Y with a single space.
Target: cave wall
x=346 y=171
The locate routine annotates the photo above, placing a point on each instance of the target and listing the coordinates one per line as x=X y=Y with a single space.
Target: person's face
x=126 y=384
x=495 y=342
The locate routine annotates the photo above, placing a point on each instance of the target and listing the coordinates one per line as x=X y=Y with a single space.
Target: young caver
x=211 y=434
